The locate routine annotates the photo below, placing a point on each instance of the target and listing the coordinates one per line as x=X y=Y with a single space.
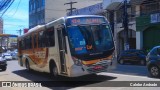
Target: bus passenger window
x=41 y=39
x=20 y=44
x=50 y=37
x=28 y=42
x=23 y=44
x=34 y=40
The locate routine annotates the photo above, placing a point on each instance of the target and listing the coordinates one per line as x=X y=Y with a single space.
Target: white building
x=43 y=11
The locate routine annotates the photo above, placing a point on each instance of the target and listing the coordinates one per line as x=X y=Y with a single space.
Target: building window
x=34 y=5
x=43 y=3
x=30 y=6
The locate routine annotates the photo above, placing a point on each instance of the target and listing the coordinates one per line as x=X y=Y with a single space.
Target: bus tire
x=27 y=65
x=53 y=70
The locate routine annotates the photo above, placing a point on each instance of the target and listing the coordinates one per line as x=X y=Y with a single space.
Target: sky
x=16 y=17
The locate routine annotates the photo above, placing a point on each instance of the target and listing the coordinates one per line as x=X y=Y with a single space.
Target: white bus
x=70 y=46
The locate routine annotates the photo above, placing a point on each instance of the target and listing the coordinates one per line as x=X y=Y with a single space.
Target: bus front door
x=61 y=40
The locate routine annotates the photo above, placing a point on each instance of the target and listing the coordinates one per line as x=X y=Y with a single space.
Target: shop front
x=149 y=29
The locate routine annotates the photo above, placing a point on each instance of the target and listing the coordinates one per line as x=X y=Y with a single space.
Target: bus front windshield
x=88 y=39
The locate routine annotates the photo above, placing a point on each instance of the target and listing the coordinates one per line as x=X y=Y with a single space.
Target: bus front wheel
x=53 y=71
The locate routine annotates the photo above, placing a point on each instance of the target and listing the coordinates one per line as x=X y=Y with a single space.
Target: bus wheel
x=28 y=66
x=53 y=71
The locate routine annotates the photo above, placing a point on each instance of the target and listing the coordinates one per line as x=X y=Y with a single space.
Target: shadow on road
x=63 y=82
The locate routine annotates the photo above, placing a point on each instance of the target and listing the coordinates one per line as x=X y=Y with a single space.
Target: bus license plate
x=97 y=67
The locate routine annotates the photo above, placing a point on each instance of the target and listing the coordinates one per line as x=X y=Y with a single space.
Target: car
x=14 y=56
x=7 y=56
x=3 y=63
x=132 y=56
x=153 y=62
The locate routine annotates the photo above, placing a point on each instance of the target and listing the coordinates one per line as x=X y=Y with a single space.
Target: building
x=96 y=9
x=114 y=13
x=25 y=30
x=147 y=23
x=1 y=26
x=43 y=11
x=144 y=23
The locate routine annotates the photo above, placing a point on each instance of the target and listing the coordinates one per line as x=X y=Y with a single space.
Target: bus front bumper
x=98 y=67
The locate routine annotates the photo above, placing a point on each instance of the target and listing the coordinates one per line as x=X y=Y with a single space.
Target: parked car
x=153 y=62
x=14 y=56
x=3 y=63
x=132 y=56
x=7 y=56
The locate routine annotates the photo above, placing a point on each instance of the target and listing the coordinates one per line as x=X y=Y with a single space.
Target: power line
x=71 y=6
x=7 y=7
x=16 y=8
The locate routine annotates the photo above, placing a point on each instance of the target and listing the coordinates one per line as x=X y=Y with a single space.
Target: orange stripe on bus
x=96 y=60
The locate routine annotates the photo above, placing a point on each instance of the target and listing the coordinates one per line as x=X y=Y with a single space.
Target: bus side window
x=35 y=40
x=41 y=39
x=28 y=42
x=23 y=44
x=20 y=44
x=50 y=37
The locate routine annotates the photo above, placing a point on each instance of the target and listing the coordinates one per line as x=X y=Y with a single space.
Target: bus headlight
x=77 y=61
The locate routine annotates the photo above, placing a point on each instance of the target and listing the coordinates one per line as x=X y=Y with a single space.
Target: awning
x=114 y=6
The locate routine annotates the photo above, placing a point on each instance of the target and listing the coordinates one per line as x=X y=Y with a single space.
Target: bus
x=69 y=46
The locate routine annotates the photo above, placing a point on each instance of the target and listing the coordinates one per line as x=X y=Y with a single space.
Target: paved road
x=90 y=82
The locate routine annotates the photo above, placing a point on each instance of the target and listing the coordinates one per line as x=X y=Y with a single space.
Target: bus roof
x=39 y=27
x=83 y=16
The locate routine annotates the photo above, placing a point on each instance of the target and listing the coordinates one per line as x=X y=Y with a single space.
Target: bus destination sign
x=86 y=20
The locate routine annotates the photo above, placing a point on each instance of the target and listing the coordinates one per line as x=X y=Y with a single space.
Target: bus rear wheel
x=28 y=66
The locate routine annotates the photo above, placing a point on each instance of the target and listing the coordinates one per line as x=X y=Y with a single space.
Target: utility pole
x=20 y=31
x=125 y=25
x=71 y=7
x=111 y=19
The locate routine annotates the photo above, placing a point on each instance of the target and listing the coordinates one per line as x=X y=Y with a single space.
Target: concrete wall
x=139 y=40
